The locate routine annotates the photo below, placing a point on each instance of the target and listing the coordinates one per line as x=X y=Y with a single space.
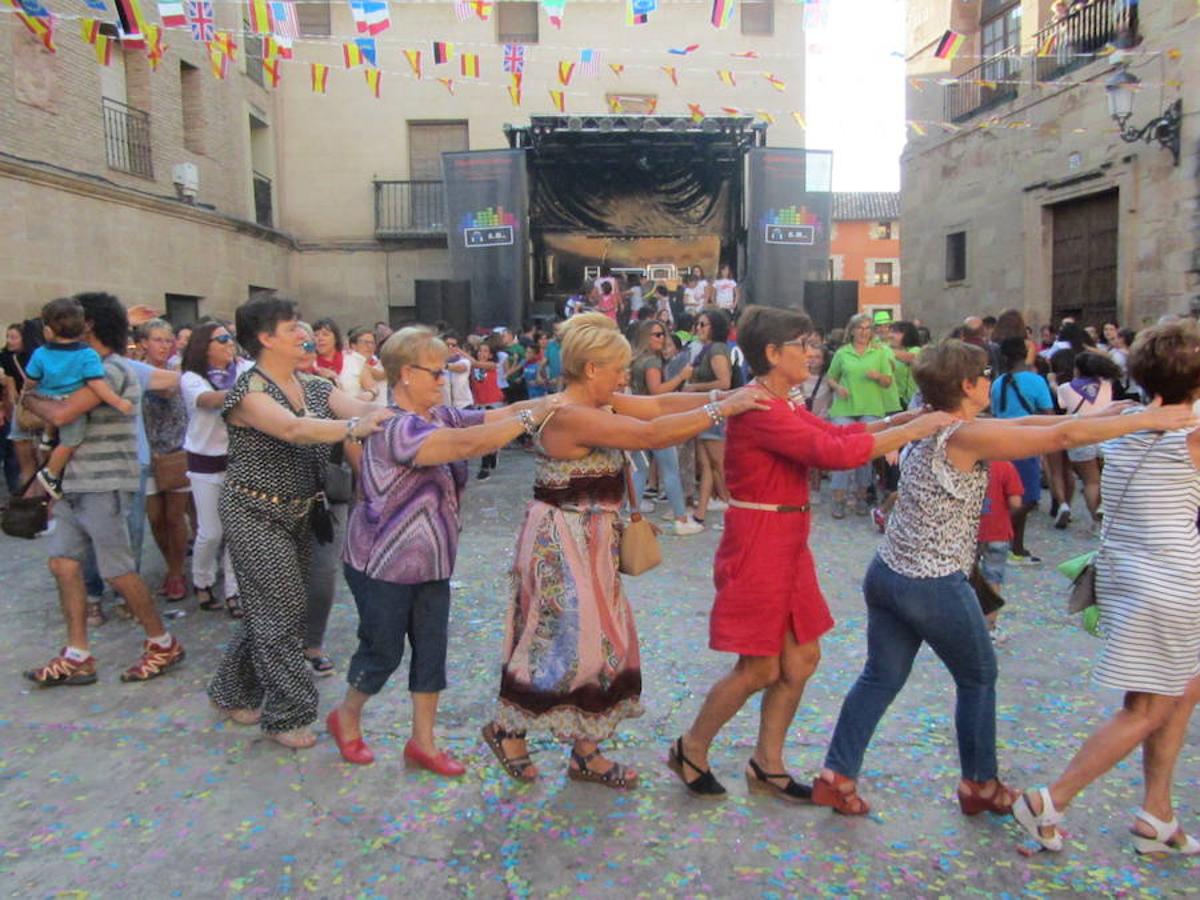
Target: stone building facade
x=1017 y=188
x=335 y=198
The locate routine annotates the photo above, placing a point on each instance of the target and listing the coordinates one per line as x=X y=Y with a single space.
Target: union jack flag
x=200 y=18
x=514 y=58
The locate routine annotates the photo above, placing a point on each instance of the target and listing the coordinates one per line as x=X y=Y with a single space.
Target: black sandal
x=760 y=782
x=617 y=777
x=515 y=766
x=206 y=599
x=704 y=785
x=234 y=607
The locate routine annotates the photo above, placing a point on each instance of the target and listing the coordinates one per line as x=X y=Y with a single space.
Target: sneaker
x=322 y=666
x=1063 y=517
x=647 y=506
x=688 y=526
x=61 y=670
x=155 y=660
x=668 y=515
x=52 y=483
x=879 y=517
x=717 y=505
x=1023 y=559
x=650 y=493
x=484 y=473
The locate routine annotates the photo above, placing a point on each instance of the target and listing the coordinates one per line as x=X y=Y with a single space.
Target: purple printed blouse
x=404 y=527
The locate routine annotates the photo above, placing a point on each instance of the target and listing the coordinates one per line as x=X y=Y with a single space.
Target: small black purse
x=320 y=519
x=25 y=517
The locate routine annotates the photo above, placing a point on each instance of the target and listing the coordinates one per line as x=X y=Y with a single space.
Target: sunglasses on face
x=309 y=346
x=223 y=338
x=436 y=373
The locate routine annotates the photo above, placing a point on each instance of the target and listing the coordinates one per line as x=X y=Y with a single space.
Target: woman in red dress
x=769 y=609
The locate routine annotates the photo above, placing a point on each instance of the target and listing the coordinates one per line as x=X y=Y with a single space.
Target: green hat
x=883 y=317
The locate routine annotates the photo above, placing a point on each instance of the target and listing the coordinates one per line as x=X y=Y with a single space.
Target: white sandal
x=1163 y=832
x=1033 y=822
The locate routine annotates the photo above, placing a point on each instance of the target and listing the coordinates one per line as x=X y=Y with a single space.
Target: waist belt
x=271 y=498
x=769 y=507
x=202 y=464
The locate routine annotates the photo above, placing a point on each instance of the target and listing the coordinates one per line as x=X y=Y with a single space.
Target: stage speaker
x=429 y=296
x=456 y=306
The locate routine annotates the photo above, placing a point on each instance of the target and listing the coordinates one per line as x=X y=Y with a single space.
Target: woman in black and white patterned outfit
x=281 y=425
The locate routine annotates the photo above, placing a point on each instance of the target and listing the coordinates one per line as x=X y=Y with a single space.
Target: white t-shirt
x=350 y=379
x=206 y=432
x=456 y=389
x=501 y=365
x=725 y=292
x=635 y=298
x=702 y=291
x=693 y=299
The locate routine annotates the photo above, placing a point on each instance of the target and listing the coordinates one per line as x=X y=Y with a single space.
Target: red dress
x=764 y=574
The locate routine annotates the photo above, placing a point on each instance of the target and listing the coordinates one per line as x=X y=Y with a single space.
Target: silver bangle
x=526 y=418
x=351 y=424
x=714 y=413
x=887 y=421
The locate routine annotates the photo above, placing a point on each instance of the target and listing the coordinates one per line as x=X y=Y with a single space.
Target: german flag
x=950 y=44
x=443 y=52
x=469 y=65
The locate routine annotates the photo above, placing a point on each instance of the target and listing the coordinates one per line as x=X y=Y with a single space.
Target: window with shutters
x=516 y=22
x=427 y=141
x=758 y=16
x=313 y=16
x=956 y=256
x=884 y=273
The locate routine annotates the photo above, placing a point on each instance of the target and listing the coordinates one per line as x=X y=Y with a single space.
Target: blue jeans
x=853 y=481
x=668 y=476
x=136 y=520
x=901 y=614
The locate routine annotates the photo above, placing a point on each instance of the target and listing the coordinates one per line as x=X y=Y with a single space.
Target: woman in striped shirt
x=1148 y=591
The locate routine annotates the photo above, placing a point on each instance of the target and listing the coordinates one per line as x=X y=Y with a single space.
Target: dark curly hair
x=107 y=319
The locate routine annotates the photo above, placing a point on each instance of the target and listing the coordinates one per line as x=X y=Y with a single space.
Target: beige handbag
x=640 y=551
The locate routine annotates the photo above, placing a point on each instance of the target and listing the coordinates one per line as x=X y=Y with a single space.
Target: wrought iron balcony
x=1079 y=36
x=991 y=82
x=126 y=138
x=262 y=200
x=409 y=208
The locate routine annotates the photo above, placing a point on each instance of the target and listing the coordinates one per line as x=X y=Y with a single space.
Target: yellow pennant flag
x=800 y=120
x=448 y=83
x=373 y=81
x=320 y=77
x=727 y=77
x=671 y=73
x=103 y=44
x=414 y=61
x=559 y=99
x=514 y=94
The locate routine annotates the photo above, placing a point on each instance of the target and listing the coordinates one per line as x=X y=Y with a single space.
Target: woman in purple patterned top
x=402 y=538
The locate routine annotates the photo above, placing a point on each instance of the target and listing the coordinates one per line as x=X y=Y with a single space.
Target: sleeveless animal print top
x=931 y=532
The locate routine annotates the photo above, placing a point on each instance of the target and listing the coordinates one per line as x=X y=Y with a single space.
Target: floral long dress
x=570 y=660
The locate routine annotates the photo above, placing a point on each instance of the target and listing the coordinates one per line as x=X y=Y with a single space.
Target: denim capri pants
x=389 y=614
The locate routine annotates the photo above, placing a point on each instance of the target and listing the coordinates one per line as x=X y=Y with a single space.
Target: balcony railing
x=262 y=200
x=1076 y=38
x=991 y=82
x=126 y=138
x=409 y=208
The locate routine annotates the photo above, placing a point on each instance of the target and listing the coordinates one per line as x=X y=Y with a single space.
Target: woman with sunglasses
x=647 y=379
x=210 y=367
x=711 y=370
x=917 y=589
x=769 y=609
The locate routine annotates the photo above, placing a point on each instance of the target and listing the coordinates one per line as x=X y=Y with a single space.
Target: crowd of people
x=276 y=452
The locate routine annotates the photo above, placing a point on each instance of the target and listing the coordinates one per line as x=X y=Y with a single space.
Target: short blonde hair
x=405 y=347
x=590 y=337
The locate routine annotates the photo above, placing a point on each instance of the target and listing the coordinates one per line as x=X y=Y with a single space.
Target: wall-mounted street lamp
x=1165 y=129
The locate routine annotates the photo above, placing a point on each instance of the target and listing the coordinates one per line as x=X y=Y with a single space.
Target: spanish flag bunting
x=696 y=111
x=1174 y=53
x=918 y=128
x=414 y=61
x=950 y=44
x=722 y=12
x=614 y=104
x=218 y=59
x=260 y=16
x=672 y=74
x=1048 y=46
x=352 y=55
x=559 y=99
x=766 y=116
x=514 y=94
x=274 y=47
x=273 y=71
x=651 y=105
x=89 y=29
x=617 y=68
x=778 y=83
x=155 y=48
x=990 y=85
x=565 y=71
x=727 y=77
x=320 y=77
x=103 y=44
x=515 y=78
x=40 y=26
x=448 y=83
x=745 y=54
x=731 y=110
x=373 y=77
x=483 y=9
x=469 y=65
x=442 y=52
x=800 y=120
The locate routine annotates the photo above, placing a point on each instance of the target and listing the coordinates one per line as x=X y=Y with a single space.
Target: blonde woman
x=570 y=657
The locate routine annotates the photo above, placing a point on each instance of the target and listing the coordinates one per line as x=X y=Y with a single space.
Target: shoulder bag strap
x=1124 y=490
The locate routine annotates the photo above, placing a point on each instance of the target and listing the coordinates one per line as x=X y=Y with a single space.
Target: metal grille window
x=254 y=63
x=516 y=22
x=126 y=138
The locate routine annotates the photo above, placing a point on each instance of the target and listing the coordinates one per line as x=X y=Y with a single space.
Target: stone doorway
x=1084 y=266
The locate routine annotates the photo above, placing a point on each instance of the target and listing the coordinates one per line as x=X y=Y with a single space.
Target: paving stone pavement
x=120 y=790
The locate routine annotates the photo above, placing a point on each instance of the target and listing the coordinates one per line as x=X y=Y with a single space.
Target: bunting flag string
x=565 y=71
x=778 y=83
x=671 y=73
x=374 y=79
x=260 y=16
x=443 y=52
x=722 y=12
x=554 y=11
x=37 y=19
x=272 y=69
x=468 y=65
x=171 y=14
x=319 y=75
x=514 y=94
x=218 y=60
x=949 y=45
x=696 y=112
x=727 y=77
x=448 y=83
x=559 y=99
x=370 y=16
x=617 y=68
x=414 y=61
x=103 y=45
x=89 y=30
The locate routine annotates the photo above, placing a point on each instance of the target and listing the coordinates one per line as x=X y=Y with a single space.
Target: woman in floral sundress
x=570 y=657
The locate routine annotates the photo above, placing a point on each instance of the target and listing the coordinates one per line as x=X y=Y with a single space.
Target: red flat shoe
x=442 y=764
x=355 y=751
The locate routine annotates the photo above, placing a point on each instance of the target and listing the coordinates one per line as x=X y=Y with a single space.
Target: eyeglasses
x=986 y=373
x=658 y=334
x=436 y=373
x=223 y=338
x=309 y=346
